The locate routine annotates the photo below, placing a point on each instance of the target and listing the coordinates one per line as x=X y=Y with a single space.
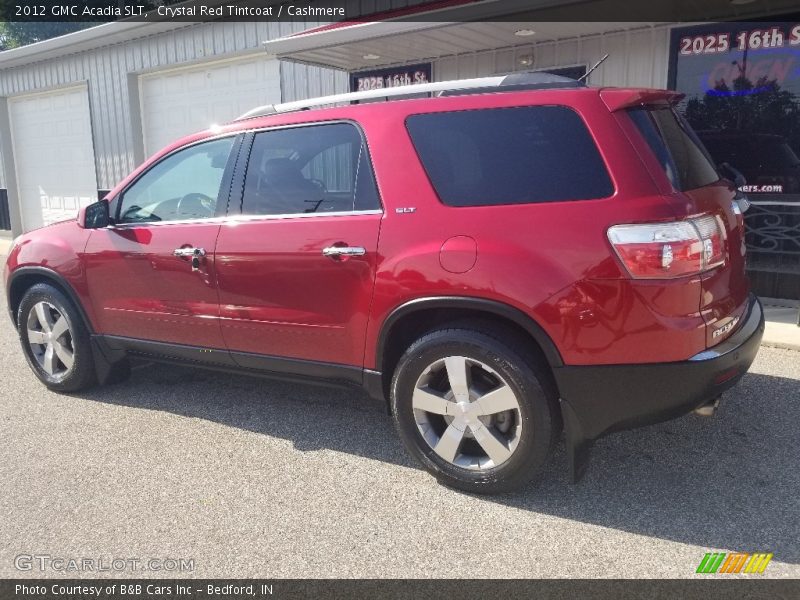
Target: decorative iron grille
x=773 y=236
x=773 y=248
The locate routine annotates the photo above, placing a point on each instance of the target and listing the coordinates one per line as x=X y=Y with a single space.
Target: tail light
x=669 y=250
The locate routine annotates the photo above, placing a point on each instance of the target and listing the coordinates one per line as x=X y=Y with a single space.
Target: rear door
x=296 y=270
x=151 y=274
x=695 y=188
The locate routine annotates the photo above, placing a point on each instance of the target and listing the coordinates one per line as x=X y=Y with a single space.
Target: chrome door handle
x=195 y=254
x=335 y=251
x=189 y=252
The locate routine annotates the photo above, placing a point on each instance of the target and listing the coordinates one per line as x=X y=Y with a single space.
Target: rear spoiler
x=621 y=98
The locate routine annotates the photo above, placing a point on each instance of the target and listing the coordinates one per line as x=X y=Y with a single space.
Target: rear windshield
x=509 y=156
x=681 y=154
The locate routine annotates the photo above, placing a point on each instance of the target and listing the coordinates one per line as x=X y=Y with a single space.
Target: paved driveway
x=250 y=477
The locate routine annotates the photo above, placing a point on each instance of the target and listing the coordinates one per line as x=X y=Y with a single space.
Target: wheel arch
x=23 y=278
x=409 y=320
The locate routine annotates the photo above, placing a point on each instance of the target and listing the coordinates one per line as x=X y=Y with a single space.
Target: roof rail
x=512 y=82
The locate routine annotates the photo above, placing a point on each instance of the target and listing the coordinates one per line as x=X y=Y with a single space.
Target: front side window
x=309 y=169
x=509 y=156
x=185 y=185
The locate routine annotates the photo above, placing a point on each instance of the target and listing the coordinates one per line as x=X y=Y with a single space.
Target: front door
x=151 y=274
x=296 y=270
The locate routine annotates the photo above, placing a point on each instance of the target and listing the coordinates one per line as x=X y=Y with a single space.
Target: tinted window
x=681 y=154
x=185 y=185
x=312 y=169
x=509 y=156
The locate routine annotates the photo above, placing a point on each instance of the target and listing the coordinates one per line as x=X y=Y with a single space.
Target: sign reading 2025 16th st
x=754 y=39
x=390 y=77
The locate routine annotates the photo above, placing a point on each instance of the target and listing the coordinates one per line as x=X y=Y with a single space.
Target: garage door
x=53 y=153
x=181 y=101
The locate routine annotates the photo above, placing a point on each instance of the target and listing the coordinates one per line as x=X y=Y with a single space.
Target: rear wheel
x=478 y=414
x=55 y=340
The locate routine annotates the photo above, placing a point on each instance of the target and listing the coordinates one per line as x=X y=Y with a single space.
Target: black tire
x=520 y=370
x=81 y=374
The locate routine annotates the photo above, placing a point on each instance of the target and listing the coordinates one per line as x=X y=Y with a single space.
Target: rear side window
x=309 y=169
x=682 y=156
x=509 y=156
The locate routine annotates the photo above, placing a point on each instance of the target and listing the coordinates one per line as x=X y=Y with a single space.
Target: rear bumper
x=602 y=399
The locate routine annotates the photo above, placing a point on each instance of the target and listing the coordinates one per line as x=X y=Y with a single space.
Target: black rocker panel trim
x=239 y=362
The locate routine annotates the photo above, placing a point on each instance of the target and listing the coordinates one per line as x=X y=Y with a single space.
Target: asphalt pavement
x=246 y=477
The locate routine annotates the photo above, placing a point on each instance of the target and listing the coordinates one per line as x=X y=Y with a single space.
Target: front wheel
x=55 y=340
x=477 y=414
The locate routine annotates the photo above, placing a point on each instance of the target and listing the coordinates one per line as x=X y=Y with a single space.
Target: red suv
x=497 y=261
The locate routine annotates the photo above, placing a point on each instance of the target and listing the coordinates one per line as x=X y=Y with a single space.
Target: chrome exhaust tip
x=708 y=410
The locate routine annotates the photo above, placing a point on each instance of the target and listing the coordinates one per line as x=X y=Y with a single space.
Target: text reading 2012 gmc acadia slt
x=503 y=259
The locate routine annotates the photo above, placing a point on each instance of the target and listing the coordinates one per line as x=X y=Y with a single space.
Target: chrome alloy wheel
x=50 y=340
x=467 y=413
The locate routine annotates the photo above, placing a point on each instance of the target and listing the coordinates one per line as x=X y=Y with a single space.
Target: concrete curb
x=780 y=345
x=782 y=330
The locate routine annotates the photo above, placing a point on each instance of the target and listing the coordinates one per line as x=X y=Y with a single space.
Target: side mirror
x=94 y=216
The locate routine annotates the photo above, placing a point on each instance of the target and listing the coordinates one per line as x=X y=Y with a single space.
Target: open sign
x=771 y=66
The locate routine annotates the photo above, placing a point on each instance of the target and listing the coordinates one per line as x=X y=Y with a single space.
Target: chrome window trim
x=339 y=213
x=254 y=131
x=234 y=219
